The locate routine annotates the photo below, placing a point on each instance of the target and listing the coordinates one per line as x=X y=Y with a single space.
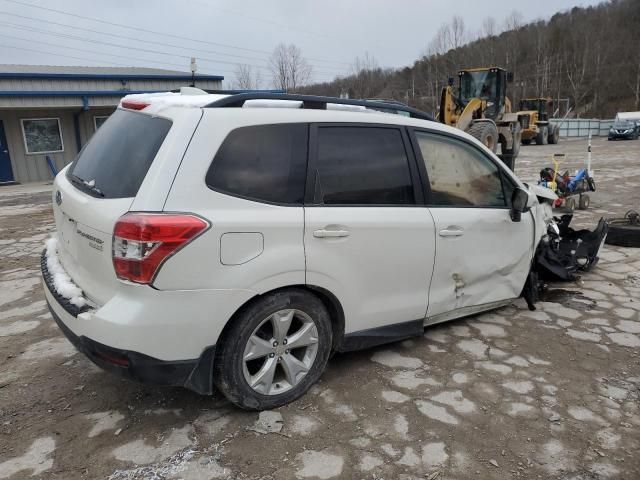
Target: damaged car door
x=483 y=253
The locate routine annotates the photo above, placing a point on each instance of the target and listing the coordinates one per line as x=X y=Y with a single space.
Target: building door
x=6 y=173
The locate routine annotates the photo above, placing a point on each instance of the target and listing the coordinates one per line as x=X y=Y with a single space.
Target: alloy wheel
x=280 y=352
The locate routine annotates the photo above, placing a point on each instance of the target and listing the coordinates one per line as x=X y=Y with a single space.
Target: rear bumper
x=194 y=374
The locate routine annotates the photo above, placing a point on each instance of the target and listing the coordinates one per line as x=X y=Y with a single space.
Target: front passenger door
x=482 y=256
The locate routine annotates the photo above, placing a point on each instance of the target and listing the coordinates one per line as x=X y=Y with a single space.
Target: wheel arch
x=330 y=301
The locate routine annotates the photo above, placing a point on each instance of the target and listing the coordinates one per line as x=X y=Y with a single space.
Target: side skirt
x=378 y=336
x=372 y=337
x=465 y=312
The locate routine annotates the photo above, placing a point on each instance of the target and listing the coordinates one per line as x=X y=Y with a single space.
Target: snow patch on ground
x=35 y=459
x=319 y=465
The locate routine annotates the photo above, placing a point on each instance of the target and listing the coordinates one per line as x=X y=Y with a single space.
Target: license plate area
x=68 y=234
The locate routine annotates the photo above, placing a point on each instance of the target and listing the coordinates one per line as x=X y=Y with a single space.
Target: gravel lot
x=550 y=394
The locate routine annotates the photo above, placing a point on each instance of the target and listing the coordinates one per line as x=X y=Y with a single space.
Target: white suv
x=208 y=240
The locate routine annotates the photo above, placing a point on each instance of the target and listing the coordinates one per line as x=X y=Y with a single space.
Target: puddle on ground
x=568 y=298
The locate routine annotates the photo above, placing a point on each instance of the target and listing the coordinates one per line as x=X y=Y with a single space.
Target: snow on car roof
x=195 y=98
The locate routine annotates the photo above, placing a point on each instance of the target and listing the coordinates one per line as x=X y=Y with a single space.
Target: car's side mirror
x=519 y=201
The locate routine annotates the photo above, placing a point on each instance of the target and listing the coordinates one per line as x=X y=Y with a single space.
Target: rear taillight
x=134 y=104
x=143 y=241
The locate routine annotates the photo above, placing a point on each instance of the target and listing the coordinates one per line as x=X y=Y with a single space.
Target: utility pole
x=194 y=69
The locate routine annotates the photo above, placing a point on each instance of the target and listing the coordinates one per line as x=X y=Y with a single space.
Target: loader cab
x=487 y=84
x=544 y=107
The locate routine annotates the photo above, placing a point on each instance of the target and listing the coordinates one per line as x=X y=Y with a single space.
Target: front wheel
x=274 y=350
x=543 y=136
x=486 y=133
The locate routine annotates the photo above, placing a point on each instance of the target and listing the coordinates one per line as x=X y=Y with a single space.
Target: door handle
x=322 y=233
x=451 y=232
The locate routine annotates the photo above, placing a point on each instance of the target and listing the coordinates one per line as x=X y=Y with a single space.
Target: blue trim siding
x=74 y=93
x=107 y=76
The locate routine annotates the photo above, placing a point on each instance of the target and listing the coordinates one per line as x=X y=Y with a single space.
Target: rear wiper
x=89 y=185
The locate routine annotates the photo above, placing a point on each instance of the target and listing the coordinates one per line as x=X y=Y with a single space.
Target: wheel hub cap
x=280 y=352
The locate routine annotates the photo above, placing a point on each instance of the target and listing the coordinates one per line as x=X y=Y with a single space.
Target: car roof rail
x=316 y=102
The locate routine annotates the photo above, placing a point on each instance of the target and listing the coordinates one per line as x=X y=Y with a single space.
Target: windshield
x=481 y=84
x=528 y=105
x=118 y=156
x=623 y=124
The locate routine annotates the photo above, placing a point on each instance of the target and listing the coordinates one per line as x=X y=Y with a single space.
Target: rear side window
x=459 y=175
x=363 y=166
x=118 y=156
x=266 y=163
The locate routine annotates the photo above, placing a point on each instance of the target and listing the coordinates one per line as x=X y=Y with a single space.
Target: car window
x=363 y=166
x=459 y=175
x=264 y=163
x=120 y=153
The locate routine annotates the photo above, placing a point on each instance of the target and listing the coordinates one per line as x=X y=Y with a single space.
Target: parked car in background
x=204 y=243
x=624 y=129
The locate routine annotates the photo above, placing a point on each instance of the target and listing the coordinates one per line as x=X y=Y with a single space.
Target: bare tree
x=513 y=20
x=568 y=56
x=289 y=68
x=457 y=33
x=489 y=27
x=364 y=75
x=247 y=78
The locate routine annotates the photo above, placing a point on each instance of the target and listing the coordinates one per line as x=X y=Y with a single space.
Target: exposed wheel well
x=332 y=304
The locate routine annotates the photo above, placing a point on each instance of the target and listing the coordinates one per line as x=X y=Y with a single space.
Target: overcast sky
x=221 y=33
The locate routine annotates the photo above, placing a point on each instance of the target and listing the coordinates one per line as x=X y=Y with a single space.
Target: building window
x=42 y=135
x=98 y=120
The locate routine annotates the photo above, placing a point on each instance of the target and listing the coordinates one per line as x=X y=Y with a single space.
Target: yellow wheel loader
x=535 y=113
x=480 y=107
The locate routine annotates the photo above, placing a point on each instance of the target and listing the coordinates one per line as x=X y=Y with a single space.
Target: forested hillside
x=590 y=56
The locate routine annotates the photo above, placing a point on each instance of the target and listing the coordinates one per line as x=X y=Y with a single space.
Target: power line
x=127 y=37
x=30 y=40
x=67 y=56
x=155 y=52
x=164 y=34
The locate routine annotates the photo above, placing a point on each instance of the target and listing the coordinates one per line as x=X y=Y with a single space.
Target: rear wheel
x=486 y=133
x=554 y=135
x=276 y=348
x=543 y=136
x=584 y=201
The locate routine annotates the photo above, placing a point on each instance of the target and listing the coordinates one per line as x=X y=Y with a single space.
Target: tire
x=543 y=136
x=623 y=236
x=584 y=201
x=570 y=203
x=526 y=141
x=486 y=133
x=554 y=136
x=624 y=232
x=253 y=329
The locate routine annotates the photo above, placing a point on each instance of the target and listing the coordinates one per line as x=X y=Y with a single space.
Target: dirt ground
x=550 y=394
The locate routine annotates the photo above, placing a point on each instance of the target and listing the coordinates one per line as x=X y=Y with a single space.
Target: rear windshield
x=118 y=156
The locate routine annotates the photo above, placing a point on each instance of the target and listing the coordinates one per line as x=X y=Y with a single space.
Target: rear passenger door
x=367 y=238
x=482 y=256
